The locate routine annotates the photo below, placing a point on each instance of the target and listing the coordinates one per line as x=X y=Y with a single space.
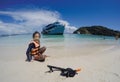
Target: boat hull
x=54 y=30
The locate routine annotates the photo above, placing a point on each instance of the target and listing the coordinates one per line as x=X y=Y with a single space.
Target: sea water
x=58 y=40
x=58 y=46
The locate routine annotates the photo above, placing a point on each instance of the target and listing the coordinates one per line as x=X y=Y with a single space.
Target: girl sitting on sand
x=34 y=49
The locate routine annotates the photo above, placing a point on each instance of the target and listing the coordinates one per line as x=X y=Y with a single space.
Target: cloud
x=30 y=21
x=68 y=27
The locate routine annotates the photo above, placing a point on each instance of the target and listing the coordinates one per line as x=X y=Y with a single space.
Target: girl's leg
x=42 y=50
x=42 y=58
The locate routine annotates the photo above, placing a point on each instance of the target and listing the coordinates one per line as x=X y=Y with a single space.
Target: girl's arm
x=29 y=57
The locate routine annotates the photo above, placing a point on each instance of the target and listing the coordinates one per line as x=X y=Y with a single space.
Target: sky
x=27 y=15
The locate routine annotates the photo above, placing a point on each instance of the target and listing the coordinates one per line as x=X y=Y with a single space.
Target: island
x=97 y=30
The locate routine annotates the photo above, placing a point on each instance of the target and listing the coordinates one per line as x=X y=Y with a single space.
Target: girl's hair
x=36 y=32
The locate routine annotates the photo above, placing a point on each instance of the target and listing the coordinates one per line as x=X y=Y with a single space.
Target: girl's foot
x=46 y=56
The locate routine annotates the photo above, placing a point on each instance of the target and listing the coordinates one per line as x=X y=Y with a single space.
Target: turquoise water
x=58 y=40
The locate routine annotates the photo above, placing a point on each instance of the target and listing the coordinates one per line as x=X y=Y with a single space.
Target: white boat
x=56 y=28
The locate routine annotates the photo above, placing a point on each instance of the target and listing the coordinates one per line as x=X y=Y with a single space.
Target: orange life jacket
x=35 y=51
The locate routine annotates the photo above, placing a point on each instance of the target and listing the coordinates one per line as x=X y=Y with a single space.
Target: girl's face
x=37 y=37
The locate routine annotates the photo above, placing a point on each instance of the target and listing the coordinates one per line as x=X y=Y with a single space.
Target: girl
x=34 y=49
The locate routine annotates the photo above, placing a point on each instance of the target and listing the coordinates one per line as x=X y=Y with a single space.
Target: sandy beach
x=69 y=35
x=99 y=63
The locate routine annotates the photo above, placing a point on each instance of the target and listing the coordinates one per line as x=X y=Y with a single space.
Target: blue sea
x=58 y=40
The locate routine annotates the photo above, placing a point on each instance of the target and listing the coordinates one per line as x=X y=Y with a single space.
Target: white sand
x=99 y=63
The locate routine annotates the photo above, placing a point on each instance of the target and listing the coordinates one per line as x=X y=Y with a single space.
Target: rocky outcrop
x=97 y=30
